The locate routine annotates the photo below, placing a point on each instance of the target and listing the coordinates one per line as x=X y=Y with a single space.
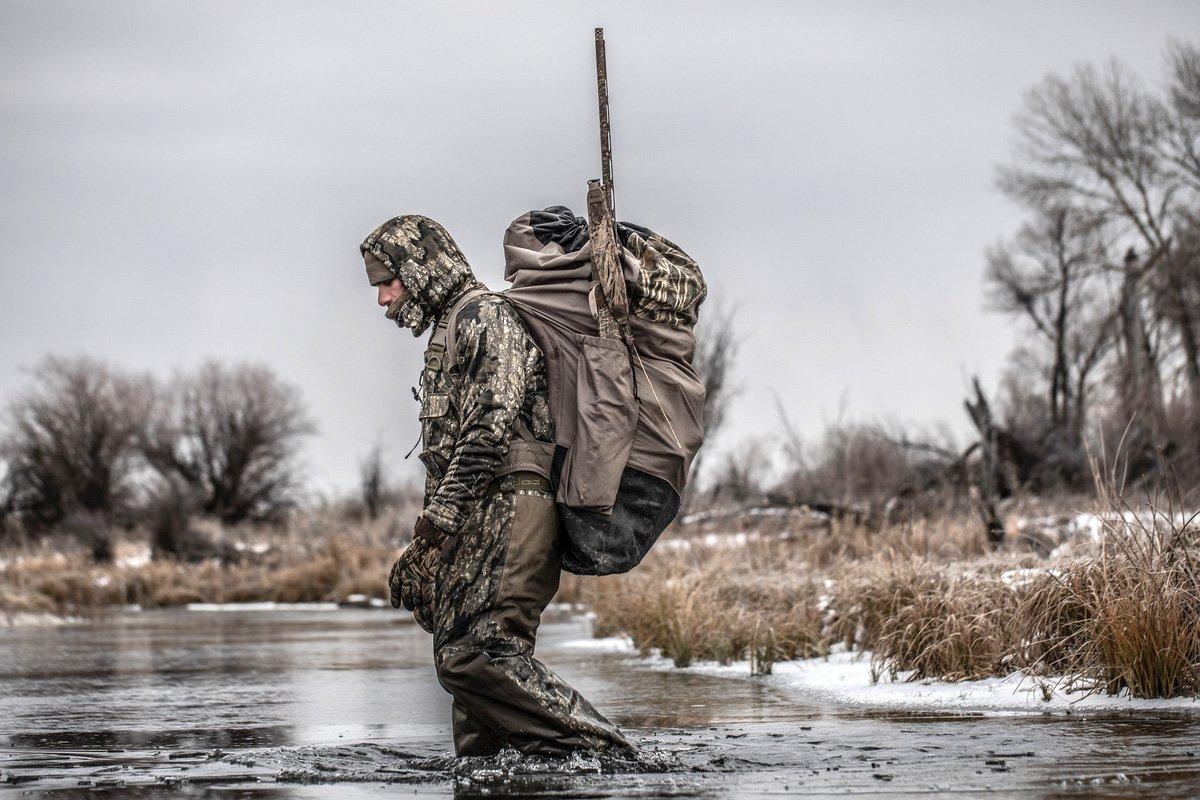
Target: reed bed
x=929 y=601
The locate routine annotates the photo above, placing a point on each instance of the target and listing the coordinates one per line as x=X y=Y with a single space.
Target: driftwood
x=1006 y=464
x=991 y=486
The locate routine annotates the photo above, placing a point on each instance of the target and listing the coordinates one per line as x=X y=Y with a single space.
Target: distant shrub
x=230 y=434
x=69 y=442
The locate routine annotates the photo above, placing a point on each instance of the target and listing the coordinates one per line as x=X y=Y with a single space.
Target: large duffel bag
x=627 y=424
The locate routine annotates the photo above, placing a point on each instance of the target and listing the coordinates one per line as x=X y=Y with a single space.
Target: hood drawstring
x=416 y=396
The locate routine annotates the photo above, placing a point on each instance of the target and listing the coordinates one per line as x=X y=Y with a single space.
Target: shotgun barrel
x=612 y=301
x=606 y=172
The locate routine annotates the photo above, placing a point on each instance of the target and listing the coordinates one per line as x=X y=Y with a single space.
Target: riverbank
x=317 y=559
x=1098 y=601
x=846 y=678
x=1110 y=603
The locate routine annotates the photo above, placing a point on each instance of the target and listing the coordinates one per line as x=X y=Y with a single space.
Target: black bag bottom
x=602 y=544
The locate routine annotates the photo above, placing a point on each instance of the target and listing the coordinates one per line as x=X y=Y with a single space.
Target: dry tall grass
x=318 y=558
x=928 y=600
x=1128 y=617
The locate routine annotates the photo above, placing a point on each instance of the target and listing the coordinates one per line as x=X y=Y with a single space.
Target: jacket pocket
x=434 y=409
x=434 y=405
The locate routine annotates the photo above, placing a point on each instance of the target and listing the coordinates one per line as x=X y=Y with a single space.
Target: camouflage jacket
x=491 y=388
x=475 y=402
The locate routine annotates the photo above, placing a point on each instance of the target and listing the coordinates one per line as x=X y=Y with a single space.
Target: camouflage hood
x=421 y=253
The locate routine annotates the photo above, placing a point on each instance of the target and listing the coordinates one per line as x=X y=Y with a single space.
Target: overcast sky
x=181 y=181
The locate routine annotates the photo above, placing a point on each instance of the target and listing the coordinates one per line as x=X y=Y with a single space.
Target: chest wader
x=490 y=595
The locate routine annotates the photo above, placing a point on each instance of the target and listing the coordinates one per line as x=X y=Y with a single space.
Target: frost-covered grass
x=1117 y=611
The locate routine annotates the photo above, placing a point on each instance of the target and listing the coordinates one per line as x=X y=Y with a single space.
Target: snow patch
x=611 y=644
x=364 y=601
x=717 y=541
x=267 y=606
x=564 y=608
x=23 y=619
x=1017 y=578
x=134 y=558
x=754 y=511
x=846 y=678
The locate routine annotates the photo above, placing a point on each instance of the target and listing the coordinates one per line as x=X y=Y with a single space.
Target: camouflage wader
x=487 y=438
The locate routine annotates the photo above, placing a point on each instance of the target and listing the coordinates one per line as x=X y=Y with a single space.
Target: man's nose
x=383 y=301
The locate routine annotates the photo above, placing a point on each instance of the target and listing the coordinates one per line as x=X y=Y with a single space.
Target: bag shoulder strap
x=525 y=452
x=445 y=338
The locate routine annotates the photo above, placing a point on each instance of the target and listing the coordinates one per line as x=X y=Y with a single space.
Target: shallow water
x=281 y=704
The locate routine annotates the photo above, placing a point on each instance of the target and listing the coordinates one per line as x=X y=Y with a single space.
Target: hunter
x=484 y=560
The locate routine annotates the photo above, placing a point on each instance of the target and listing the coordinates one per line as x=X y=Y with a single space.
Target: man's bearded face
x=392 y=295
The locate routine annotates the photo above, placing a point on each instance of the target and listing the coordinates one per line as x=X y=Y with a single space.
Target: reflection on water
x=345 y=704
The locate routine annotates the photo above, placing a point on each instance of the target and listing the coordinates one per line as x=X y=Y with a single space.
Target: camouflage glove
x=411 y=581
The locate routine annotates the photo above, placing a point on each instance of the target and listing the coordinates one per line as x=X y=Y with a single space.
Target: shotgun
x=609 y=297
x=611 y=300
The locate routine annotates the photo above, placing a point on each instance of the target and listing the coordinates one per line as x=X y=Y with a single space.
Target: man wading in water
x=485 y=559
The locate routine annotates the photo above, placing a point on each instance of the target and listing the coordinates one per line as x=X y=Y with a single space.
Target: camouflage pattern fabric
x=426 y=259
x=488 y=594
x=490 y=600
x=412 y=578
x=472 y=403
x=669 y=287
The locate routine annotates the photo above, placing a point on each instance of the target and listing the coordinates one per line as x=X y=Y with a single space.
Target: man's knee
x=462 y=667
x=452 y=668
x=472 y=667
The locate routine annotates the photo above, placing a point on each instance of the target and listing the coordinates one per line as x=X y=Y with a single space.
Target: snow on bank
x=611 y=644
x=267 y=606
x=844 y=678
x=1063 y=533
x=25 y=619
x=754 y=511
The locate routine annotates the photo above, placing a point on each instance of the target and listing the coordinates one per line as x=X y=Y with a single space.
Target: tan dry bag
x=627 y=425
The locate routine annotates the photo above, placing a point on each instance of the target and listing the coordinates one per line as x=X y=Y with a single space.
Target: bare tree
x=864 y=471
x=374 y=484
x=1182 y=146
x=230 y=434
x=1139 y=374
x=716 y=351
x=1180 y=297
x=1092 y=142
x=70 y=441
x=1126 y=163
x=1051 y=275
x=1095 y=139
x=740 y=475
